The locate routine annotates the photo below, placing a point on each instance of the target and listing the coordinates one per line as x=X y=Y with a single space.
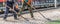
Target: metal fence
x=43 y=3
x=46 y=3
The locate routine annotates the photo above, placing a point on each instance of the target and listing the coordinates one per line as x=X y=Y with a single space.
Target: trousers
x=6 y=13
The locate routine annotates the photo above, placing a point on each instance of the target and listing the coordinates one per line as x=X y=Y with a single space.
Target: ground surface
x=53 y=14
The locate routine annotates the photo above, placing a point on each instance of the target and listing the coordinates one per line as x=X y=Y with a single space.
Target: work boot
x=5 y=19
x=16 y=19
x=18 y=14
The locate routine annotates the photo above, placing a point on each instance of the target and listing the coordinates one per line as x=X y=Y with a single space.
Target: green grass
x=54 y=22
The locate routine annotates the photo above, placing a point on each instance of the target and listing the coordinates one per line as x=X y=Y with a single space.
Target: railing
x=40 y=3
x=3 y=8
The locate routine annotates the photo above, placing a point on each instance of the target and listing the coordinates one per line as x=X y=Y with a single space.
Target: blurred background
x=35 y=3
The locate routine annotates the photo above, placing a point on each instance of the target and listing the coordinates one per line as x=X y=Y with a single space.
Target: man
x=9 y=5
x=27 y=3
x=16 y=9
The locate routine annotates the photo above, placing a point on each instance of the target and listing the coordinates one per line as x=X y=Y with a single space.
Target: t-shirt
x=29 y=2
x=26 y=0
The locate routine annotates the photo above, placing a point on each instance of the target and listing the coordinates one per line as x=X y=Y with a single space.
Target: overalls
x=10 y=4
x=27 y=3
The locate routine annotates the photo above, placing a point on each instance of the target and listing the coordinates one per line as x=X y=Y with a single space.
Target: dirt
x=51 y=14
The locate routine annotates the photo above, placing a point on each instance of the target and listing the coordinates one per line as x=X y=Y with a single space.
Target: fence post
x=55 y=1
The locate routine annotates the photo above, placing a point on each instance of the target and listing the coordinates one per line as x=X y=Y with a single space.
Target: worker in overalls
x=16 y=8
x=9 y=5
x=27 y=3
